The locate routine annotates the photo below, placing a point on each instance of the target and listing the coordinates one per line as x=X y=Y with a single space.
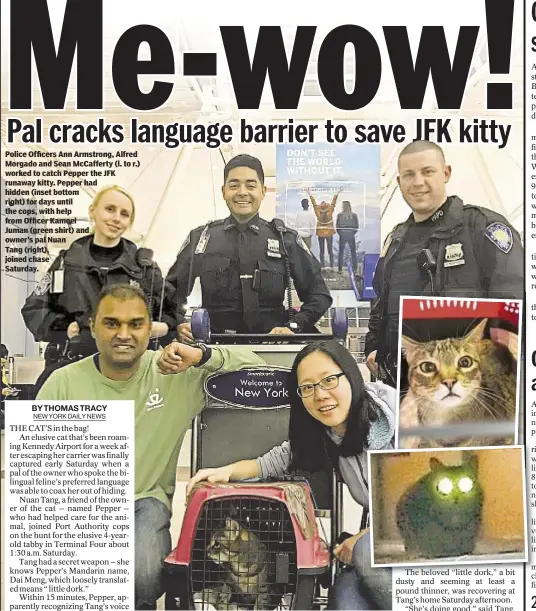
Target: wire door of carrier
x=250 y=545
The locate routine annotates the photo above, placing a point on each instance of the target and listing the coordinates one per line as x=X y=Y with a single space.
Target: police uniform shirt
x=242 y=239
x=103 y=255
x=406 y=279
x=478 y=254
x=244 y=278
x=72 y=284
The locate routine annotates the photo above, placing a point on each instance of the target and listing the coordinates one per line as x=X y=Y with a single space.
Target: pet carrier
x=231 y=428
x=247 y=546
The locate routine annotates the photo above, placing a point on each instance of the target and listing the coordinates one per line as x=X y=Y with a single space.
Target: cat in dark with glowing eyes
x=440 y=515
x=458 y=380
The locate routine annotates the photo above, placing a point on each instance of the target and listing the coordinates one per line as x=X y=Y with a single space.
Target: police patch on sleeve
x=184 y=244
x=300 y=242
x=501 y=235
x=386 y=244
x=44 y=285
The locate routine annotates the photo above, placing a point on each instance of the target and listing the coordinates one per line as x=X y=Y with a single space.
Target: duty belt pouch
x=215 y=272
x=54 y=353
x=79 y=347
x=268 y=281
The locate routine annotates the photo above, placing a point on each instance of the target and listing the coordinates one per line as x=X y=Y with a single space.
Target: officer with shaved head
x=445 y=248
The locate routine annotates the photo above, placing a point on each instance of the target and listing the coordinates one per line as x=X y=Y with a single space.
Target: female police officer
x=58 y=310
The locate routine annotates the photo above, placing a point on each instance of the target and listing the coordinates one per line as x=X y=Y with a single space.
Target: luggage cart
x=201 y=331
x=274 y=515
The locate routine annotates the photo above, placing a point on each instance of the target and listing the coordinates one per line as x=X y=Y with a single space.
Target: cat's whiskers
x=494 y=404
x=483 y=384
x=487 y=409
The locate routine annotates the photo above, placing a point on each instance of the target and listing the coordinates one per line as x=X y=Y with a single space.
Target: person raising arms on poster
x=445 y=248
x=325 y=229
x=59 y=308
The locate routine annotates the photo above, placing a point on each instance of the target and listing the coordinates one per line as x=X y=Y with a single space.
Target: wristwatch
x=294 y=327
x=207 y=353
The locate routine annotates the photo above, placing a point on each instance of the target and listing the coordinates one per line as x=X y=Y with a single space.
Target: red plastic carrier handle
x=442 y=307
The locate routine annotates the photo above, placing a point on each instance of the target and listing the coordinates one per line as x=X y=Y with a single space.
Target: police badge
x=454 y=255
x=273 y=248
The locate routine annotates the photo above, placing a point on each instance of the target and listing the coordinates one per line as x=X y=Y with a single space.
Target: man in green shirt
x=165 y=405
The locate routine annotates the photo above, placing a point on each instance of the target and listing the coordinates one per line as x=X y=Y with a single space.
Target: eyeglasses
x=327 y=383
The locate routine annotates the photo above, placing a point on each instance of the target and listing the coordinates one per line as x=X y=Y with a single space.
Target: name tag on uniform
x=454 y=255
x=57 y=282
x=273 y=249
x=203 y=241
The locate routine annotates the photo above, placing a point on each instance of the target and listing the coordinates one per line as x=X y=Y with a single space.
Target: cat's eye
x=445 y=485
x=465 y=362
x=465 y=484
x=427 y=367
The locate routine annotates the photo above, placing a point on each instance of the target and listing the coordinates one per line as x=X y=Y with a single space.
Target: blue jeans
x=152 y=545
x=362 y=587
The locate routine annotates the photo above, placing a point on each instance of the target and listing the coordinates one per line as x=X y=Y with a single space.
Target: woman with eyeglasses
x=332 y=408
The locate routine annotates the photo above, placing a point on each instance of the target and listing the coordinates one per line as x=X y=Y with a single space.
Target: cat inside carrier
x=247 y=546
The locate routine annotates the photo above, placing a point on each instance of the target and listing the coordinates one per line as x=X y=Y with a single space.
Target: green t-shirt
x=165 y=405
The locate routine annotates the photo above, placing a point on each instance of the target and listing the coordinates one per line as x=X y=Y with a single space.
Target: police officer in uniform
x=444 y=248
x=245 y=264
x=59 y=308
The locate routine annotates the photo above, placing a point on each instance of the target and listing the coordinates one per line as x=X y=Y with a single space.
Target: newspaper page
x=118 y=208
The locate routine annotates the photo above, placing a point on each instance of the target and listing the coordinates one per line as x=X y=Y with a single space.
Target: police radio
x=144 y=257
x=279 y=227
x=426 y=263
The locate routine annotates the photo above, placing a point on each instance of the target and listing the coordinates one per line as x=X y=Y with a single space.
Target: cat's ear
x=470 y=460
x=435 y=464
x=408 y=347
x=233 y=528
x=476 y=334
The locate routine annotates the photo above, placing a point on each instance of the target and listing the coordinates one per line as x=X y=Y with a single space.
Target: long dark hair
x=307 y=435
